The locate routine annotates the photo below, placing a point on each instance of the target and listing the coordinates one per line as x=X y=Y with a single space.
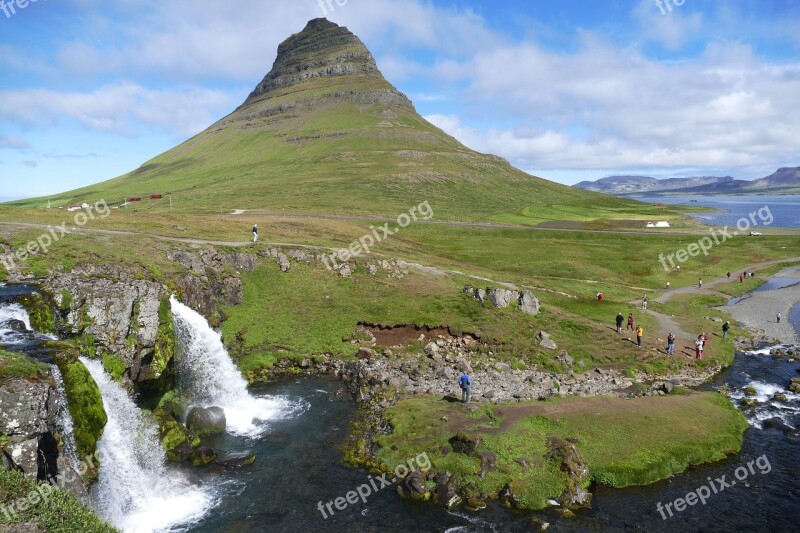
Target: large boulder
x=502 y=297
x=528 y=303
x=206 y=420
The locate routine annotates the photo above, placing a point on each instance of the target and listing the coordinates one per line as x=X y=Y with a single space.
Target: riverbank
x=759 y=309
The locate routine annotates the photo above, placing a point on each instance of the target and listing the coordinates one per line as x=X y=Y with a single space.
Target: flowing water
x=208 y=377
x=136 y=491
x=297 y=440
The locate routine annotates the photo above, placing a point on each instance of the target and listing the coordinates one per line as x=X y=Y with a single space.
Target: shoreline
x=759 y=309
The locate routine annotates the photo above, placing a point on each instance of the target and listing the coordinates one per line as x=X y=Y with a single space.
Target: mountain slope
x=783 y=181
x=324 y=132
x=646 y=184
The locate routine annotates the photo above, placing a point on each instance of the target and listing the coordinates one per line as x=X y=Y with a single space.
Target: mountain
x=783 y=178
x=325 y=132
x=622 y=185
x=783 y=181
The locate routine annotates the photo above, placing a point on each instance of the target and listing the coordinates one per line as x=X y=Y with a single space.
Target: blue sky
x=567 y=90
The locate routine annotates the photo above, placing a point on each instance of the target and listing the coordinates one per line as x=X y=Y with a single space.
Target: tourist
x=630 y=322
x=639 y=333
x=465 y=383
x=741 y=278
x=599 y=296
x=729 y=275
x=620 y=319
x=644 y=302
x=668 y=285
x=779 y=318
x=703 y=339
x=698 y=348
x=725 y=327
x=255 y=233
x=670 y=344
x=700 y=283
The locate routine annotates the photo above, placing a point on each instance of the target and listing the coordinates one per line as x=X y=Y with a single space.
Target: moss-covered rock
x=165 y=345
x=41 y=313
x=178 y=441
x=84 y=402
x=114 y=365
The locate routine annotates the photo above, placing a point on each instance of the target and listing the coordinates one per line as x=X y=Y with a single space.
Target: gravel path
x=759 y=310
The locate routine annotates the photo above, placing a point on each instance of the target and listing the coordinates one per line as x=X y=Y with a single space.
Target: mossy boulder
x=40 y=311
x=165 y=345
x=203 y=456
x=794 y=385
x=750 y=391
x=206 y=421
x=178 y=441
x=84 y=402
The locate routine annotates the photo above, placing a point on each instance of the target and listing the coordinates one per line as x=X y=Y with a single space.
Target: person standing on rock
x=620 y=319
x=639 y=335
x=670 y=344
x=255 y=233
x=778 y=316
x=630 y=322
x=465 y=383
x=725 y=327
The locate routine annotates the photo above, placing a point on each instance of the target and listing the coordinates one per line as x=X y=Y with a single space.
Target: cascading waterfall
x=208 y=377
x=8 y=313
x=64 y=422
x=136 y=491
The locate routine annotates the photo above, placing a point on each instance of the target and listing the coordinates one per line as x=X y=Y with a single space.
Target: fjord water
x=785 y=209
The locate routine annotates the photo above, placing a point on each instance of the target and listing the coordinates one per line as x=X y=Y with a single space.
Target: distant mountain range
x=783 y=181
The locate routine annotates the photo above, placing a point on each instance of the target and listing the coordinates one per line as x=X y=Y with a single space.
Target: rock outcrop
x=28 y=433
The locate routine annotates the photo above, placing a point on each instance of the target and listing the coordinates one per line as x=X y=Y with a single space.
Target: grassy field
x=624 y=442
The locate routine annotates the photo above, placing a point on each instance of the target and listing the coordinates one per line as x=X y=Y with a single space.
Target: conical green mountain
x=324 y=132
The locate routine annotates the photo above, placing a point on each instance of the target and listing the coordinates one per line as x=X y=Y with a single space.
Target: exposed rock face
x=27 y=417
x=210 y=283
x=323 y=50
x=525 y=300
x=112 y=311
x=27 y=413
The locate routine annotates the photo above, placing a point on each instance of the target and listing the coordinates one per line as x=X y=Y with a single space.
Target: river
x=299 y=464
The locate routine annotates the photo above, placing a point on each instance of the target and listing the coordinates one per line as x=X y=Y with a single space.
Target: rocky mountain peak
x=322 y=49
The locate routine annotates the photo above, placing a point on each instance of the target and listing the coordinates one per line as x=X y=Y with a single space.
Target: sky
x=567 y=90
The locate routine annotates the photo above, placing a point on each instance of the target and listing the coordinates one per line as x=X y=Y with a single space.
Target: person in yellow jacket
x=639 y=334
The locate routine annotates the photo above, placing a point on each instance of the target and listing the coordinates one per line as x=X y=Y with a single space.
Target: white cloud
x=117 y=108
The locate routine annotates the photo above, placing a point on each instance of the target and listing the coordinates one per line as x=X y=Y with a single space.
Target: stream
x=298 y=465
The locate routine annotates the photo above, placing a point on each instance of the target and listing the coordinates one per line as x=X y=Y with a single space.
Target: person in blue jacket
x=465 y=383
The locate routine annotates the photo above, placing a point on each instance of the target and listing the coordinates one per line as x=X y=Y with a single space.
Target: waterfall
x=64 y=423
x=14 y=312
x=208 y=377
x=136 y=491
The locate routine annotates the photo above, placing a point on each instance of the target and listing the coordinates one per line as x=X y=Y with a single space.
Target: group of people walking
x=639 y=330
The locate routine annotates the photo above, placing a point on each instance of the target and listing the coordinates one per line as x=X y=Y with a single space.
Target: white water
x=136 y=491
x=208 y=377
x=64 y=422
x=12 y=312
